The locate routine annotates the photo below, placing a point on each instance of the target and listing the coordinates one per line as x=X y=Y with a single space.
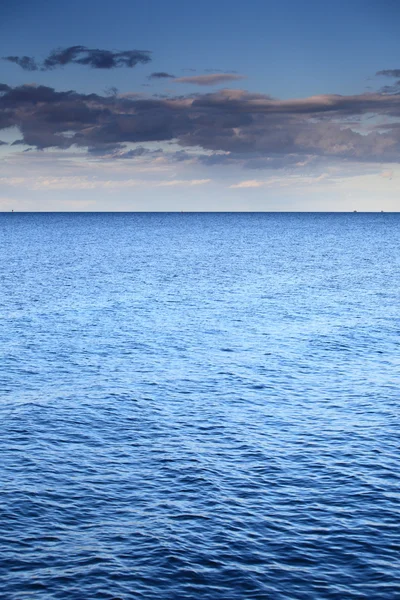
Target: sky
x=199 y=106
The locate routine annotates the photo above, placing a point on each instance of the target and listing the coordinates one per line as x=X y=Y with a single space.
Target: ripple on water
x=199 y=406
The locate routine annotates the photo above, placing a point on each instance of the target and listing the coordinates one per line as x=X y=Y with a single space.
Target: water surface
x=199 y=406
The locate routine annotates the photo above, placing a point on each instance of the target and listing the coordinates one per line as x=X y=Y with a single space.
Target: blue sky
x=280 y=107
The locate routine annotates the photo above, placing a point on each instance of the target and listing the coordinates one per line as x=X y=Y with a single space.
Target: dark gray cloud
x=395 y=87
x=96 y=58
x=4 y=87
x=31 y=95
x=389 y=73
x=25 y=62
x=161 y=75
x=102 y=150
x=233 y=126
x=391 y=89
x=62 y=57
x=81 y=55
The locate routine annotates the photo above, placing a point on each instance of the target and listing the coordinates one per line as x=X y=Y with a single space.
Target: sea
x=199 y=406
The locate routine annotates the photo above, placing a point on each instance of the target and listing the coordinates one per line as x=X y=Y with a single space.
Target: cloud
x=161 y=75
x=183 y=182
x=230 y=126
x=254 y=160
x=251 y=183
x=391 y=89
x=333 y=104
x=80 y=55
x=42 y=183
x=214 y=79
x=395 y=87
x=68 y=183
x=281 y=182
x=389 y=73
x=25 y=62
x=139 y=152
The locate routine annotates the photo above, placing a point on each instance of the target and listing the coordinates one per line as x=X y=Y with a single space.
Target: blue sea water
x=199 y=406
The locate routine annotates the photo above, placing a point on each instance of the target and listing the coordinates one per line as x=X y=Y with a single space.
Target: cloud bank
x=231 y=125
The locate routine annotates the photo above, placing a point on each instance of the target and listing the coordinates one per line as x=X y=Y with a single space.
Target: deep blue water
x=199 y=406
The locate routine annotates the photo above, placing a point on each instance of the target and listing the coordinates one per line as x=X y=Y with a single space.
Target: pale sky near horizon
x=281 y=106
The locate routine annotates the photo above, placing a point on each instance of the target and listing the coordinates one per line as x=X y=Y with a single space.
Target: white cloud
x=283 y=181
x=183 y=182
x=67 y=183
x=92 y=183
x=250 y=183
